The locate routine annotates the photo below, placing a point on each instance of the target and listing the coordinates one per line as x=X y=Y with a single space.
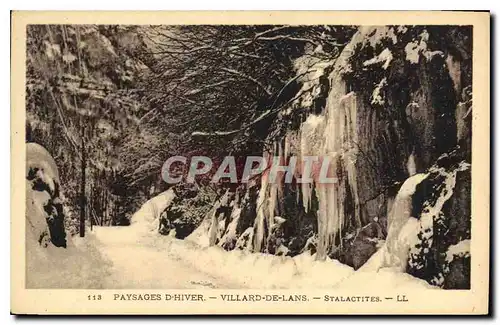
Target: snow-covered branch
x=250 y=78
x=214 y=85
x=246 y=127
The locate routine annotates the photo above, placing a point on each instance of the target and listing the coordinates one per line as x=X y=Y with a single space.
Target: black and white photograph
x=326 y=157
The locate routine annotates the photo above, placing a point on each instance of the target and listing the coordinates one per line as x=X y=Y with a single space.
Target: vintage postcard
x=250 y=163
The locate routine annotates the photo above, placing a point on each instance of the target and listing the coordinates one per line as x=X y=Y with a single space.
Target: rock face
x=185 y=213
x=395 y=104
x=441 y=254
x=44 y=211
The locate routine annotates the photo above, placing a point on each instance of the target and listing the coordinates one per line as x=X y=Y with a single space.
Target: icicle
x=230 y=233
x=244 y=242
x=350 y=150
x=401 y=228
x=214 y=226
x=287 y=146
x=397 y=220
x=261 y=215
x=455 y=72
x=333 y=134
x=340 y=139
x=274 y=188
x=280 y=185
x=306 y=196
x=390 y=203
x=411 y=166
x=311 y=144
x=305 y=188
x=322 y=223
x=212 y=231
x=272 y=200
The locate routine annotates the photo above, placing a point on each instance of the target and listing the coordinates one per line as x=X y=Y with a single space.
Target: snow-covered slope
x=79 y=266
x=147 y=217
x=77 y=263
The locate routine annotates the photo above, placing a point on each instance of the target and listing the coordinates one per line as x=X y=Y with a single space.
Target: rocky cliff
x=393 y=114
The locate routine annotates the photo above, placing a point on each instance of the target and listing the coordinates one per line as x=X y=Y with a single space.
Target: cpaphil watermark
x=303 y=170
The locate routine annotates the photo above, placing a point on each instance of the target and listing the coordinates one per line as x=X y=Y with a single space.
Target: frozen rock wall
x=392 y=110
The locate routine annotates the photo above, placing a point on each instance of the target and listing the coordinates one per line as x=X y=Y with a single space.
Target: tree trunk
x=105 y=207
x=82 y=193
x=103 y=198
x=91 y=205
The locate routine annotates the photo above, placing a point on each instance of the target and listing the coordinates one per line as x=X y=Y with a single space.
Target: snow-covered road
x=151 y=261
x=138 y=263
x=142 y=259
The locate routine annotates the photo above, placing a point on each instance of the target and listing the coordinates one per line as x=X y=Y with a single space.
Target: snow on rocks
x=147 y=217
x=432 y=212
x=244 y=242
x=44 y=216
x=462 y=249
x=385 y=56
x=40 y=164
x=310 y=71
x=413 y=49
x=377 y=95
x=76 y=263
x=418 y=47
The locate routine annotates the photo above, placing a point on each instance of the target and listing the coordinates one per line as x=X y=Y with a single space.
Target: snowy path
x=142 y=259
x=137 y=263
x=149 y=261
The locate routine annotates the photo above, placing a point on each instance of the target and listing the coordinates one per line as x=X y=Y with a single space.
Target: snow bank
x=147 y=217
x=79 y=265
x=37 y=230
x=243 y=269
x=200 y=235
x=258 y=270
x=383 y=280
